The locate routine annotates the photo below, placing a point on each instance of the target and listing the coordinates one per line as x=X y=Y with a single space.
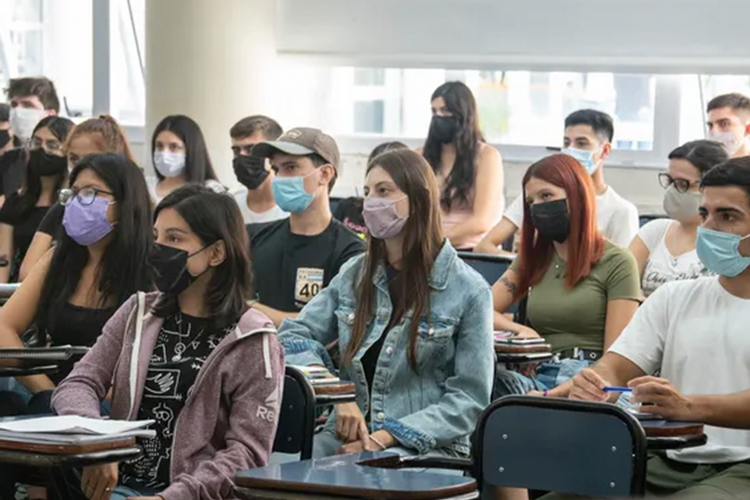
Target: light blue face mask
x=584 y=157
x=290 y=195
x=720 y=252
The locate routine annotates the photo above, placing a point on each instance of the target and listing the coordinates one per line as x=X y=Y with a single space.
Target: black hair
x=4 y=112
x=733 y=172
x=702 y=154
x=41 y=87
x=214 y=217
x=461 y=103
x=198 y=166
x=257 y=123
x=121 y=272
x=384 y=148
x=18 y=206
x=600 y=122
x=734 y=101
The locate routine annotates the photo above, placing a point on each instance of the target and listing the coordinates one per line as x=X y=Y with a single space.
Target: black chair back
x=646 y=218
x=576 y=447
x=491 y=267
x=7 y=290
x=296 y=416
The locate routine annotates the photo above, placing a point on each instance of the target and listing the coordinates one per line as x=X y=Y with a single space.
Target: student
x=588 y=139
x=216 y=413
x=6 y=134
x=95 y=267
x=22 y=211
x=255 y=174
x=582 y=289
x=180 y=157
x=295 y=258
x=93 y=136
x=31 y=99
x=413 y=323
x=665 y=248
x=729 y=123
x=469 y=171
x=695 y=332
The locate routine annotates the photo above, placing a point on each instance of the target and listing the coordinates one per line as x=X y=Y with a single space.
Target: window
x=20 y=38
x=127 y=82
x=696 y=91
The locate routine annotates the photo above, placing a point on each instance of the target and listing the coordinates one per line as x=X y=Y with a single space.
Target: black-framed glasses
x=681 y=185
x=86 y=196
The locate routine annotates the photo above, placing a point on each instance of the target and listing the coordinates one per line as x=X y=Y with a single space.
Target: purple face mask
x=87 y=224
x=382 y=218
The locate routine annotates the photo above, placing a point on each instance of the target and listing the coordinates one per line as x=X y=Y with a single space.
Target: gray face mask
x=681 y=206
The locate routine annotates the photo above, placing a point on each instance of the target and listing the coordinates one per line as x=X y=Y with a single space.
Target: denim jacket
x=438 y=406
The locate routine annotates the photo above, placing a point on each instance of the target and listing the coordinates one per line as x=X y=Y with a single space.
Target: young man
x=6 y=134
x=31 y=99
x=254 y=173
x=695 y=331
x=588 y=138
x=294 y=258
x=729 y=123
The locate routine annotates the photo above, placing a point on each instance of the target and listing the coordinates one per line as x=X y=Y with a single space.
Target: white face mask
x=169 y=164
x=728 y=140
x=23 y=121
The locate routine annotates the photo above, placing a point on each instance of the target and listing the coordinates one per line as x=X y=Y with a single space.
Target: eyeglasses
x=681 y=185
x=86 y=196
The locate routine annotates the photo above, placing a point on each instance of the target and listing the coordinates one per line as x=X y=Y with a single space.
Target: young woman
x=22 y=212
x=180 y=157
x=206 y=364
x=412 y=321
x=469 y=171
x=93 y=136
x=665 y=248
x=582 y=290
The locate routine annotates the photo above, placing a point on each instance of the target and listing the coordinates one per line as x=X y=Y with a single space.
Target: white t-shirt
x=662 y=267
x=696 y=332
x=251 y=217
x=617 y=217
x=152 y=181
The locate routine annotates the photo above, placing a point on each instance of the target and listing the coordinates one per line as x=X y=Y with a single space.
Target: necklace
x=181 y=346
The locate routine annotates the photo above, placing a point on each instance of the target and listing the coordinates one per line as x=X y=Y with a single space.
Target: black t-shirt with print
x=290 y=269
x=182 y=347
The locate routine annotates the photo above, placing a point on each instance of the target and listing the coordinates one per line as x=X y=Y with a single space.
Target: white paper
x=71 y=424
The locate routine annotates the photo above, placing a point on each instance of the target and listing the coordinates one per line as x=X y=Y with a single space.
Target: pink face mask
x=382 y=218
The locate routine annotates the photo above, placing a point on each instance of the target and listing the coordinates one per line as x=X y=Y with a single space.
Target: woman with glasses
x=665 y=248
x=22 y=211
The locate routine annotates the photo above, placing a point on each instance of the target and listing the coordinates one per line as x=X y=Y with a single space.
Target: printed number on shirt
x=309 y=284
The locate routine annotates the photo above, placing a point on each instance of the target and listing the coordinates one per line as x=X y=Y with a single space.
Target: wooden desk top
x=328 y=389
x=666 y=428
x=74 y=460
x=340 y=476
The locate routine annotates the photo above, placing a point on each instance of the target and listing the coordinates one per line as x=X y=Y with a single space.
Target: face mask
x=584 y=157
x=551 y=220
x=681 y=206
x=87 y=224
x=4 y=138
x=23 y=121
x=290 y=195
x=250 y=171
x=720 y=252
x=170 y=266
x=169 y=164
x=44 y=164
x=382 y=218
x=728 y=140
x=443 y=128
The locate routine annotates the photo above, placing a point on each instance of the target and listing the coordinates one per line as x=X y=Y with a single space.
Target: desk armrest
x=428 y=462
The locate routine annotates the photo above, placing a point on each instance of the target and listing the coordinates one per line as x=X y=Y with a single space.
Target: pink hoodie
x=229 y=420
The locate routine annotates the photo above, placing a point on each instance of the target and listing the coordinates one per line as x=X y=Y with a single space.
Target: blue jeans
x=547 y=376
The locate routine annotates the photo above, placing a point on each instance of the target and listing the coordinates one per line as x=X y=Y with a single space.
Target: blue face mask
x=720 y=252
x=290 y=195
x=584 y=157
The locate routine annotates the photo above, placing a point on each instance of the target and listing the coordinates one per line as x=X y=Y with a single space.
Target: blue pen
x=618 y=389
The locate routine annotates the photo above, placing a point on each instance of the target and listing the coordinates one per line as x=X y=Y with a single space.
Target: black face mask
x=443 y=128
x=250 y=171
x=552 y=220
x=4 y=138
x=44 y=164
x=170 y=266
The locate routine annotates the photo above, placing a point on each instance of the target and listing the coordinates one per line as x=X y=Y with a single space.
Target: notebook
x=71 y=429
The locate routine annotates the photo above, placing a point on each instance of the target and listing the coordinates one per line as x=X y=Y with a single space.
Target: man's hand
x=98 y=481
x=588 y=386
x=660 y=397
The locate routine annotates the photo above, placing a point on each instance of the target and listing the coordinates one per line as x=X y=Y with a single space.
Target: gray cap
x=301 y=141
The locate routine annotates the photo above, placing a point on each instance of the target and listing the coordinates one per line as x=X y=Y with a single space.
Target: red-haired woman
x=582 y=289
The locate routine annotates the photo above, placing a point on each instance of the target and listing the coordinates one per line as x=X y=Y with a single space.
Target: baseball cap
x=301 y=141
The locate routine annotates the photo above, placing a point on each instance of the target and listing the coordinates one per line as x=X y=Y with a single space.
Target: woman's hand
x=98 y=481
x=350 y=424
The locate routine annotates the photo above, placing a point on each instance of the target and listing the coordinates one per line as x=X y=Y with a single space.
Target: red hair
x=585 y=244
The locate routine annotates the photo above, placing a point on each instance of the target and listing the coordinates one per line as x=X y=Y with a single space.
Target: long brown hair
x=585 y=244
x=109 y=136
x=423 y=239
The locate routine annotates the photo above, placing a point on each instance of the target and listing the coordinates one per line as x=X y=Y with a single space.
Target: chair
x=7 y=290
x=645 y=219
x=491 y=267
x=296 y=416
x=333 y=203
